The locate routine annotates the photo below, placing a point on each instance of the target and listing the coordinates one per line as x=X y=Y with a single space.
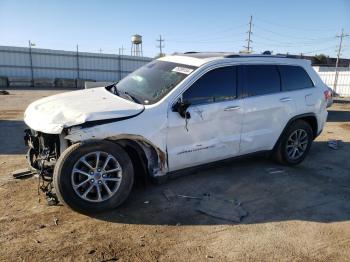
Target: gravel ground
x=300 y=213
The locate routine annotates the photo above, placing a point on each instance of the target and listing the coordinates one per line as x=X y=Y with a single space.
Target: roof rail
x=271 y=56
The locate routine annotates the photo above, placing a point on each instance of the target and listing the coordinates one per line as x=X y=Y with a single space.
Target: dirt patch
x=11 y=114
x=345 y=126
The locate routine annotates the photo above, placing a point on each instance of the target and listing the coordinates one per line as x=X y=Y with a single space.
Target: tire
x=117 y=175
x=285 y=147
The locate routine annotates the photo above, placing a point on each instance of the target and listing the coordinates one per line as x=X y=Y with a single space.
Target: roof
x=200 y=58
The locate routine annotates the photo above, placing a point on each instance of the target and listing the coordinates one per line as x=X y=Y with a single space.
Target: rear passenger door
x=266 y=109
x=297 y=85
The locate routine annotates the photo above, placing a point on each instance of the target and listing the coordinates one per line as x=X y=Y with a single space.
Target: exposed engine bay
x=43 y=152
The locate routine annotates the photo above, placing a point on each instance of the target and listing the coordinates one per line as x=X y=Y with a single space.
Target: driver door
x=212 y=129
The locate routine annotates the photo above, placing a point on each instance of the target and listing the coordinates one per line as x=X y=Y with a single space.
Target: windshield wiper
x=132 y=97
x=122 y=93
x=115 y=89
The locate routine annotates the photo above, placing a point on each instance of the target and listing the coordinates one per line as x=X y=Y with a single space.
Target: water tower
x=136 y=45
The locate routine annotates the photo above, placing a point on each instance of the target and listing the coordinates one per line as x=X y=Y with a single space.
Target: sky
x=299 y=26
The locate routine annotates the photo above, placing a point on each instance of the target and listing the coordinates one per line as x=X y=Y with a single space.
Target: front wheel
x=94 y=176
x=294 y=144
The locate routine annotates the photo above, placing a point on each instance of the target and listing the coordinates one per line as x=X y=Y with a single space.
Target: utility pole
x=78 y=73
x=31 y=62
x=160 y=46
x=121 y=50
x=248 y=47
x=341 y=36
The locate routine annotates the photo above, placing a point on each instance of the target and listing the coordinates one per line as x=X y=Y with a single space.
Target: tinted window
x=260 y=80
x=153 y=81
x=215 y=86
x=294 y=77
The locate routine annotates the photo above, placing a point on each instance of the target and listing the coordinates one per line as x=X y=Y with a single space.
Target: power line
x=207 y=39
x=341 y=37
x=248 y=47
x=290 y=36
x=160 y=46
x=295 y=28
x=205 y=35
x=310 y=42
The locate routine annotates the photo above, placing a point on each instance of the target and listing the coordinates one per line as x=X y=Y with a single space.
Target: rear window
x=294 y=78
x=260 y=80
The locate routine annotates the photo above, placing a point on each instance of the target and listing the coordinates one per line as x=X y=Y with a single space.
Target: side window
x=294 y=78
x=260 y=80
x=215 y=86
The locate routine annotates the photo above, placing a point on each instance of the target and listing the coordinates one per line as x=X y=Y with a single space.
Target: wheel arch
x=149 y=161
x=309 y=118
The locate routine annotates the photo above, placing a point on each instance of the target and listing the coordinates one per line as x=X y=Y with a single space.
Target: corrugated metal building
x=47 y=63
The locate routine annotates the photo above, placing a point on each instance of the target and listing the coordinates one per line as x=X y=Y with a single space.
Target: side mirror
x=181 y=108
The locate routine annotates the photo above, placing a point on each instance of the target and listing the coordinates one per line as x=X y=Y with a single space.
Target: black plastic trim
x=184 y=171
x=292 y=120
x=106 y=121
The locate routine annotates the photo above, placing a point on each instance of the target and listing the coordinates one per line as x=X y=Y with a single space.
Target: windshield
x=152 y=82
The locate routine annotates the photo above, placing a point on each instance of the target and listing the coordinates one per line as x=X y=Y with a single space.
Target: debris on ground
x=230 y=210
x=333 y=144
x=22 y=173
x=37 y=241
x=274 y=170
x=41 y=226
x=55 y=220
x=4 y=92
x=189 y=197
x=169 y=195
x=227 y=209
x=4 y=162
x=146 y=202
x=91 y=251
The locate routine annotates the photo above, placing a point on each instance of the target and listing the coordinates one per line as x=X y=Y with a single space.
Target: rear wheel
x=94 y=176
x=294 y=144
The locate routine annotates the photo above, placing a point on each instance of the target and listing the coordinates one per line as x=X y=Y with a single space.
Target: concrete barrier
x=97 y=84
x=20 y=81
x=44 y=82
x=65 y=82
x=3 y=81
x=81 y=82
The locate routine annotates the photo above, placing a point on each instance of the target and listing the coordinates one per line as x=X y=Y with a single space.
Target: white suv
x=174 y=113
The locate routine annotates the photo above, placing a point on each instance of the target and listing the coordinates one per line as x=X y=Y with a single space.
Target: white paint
x=215 y=131
x=52 y=114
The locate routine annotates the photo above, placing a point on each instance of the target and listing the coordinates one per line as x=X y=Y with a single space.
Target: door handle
x=285 y=99
x=231 y=108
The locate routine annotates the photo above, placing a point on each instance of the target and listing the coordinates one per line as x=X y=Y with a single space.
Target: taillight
x=327 y=94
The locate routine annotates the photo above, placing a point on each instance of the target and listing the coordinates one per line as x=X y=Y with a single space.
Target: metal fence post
x=78 y=73
x=31 y=63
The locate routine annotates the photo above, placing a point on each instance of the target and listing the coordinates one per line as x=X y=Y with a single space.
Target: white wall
x=327 y=75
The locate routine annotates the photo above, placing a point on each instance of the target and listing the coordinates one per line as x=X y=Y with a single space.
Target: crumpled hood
x=52 y=114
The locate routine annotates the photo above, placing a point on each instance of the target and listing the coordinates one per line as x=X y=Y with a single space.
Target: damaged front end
x=43 y=152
